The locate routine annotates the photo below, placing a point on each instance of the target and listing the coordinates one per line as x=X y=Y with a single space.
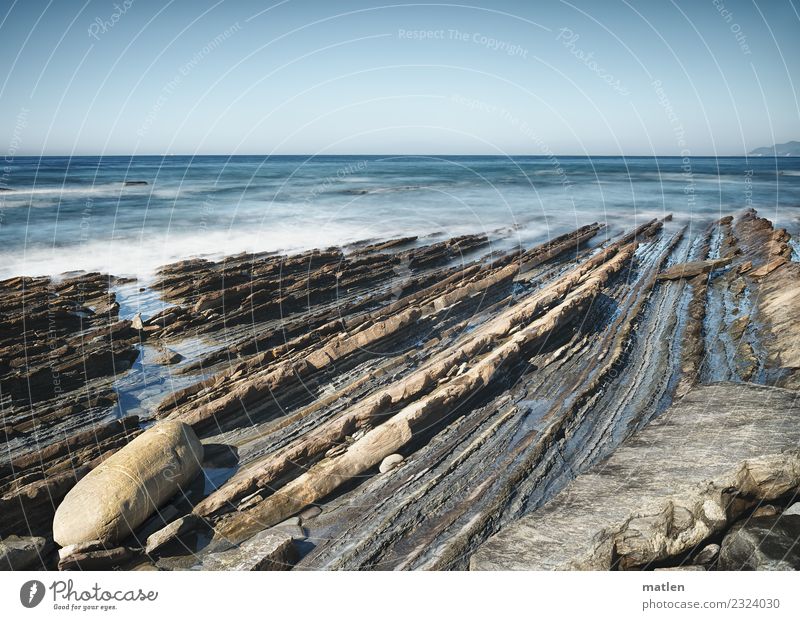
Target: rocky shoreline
x=396 y=405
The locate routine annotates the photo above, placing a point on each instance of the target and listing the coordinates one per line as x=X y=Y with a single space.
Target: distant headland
x=787 y=149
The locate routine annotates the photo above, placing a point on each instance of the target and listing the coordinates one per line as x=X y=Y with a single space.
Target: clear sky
x=611 y=77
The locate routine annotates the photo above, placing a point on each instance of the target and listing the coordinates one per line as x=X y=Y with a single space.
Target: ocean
x=60 y=214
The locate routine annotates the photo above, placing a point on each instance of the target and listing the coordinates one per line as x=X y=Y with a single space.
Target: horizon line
x=310 y=155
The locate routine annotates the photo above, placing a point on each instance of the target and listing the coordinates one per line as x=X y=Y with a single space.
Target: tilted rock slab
x=266 y=551
x=21 y=552
x=779 y=308
x=422 y=381
x=121 y=493
x=570 y=297
x=722 y=449
x=694 y=268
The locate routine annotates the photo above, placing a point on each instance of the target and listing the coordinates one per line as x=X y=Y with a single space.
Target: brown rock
x=768 y=268
x=168 y=357
x=765 y=511
x=390 y=462
x=707 y=555
x=692 y=269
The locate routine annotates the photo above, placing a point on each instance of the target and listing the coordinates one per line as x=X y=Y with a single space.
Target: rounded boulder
x=116 y=497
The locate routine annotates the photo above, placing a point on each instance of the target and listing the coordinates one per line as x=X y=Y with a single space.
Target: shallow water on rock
x=137 y=298
x=148 y=381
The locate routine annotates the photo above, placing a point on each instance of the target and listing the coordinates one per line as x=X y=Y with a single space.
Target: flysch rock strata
x=385 y=405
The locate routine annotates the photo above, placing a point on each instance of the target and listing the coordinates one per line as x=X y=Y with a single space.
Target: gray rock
x=177 y=562
x=762 y=543
x=794 y=509
x=295 y=531
x=21 y=552
x=310 y=512
x=666 y=489
x=136 y=322
x=707 y=555
x=171 y=533
x=92 y=545
x=143 y=565
x=268 y=550
x=689 y=567
x=96 y=560
x=163 y=517
x=390 y=462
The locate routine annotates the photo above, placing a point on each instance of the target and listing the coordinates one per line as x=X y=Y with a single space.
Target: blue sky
x=204 y=77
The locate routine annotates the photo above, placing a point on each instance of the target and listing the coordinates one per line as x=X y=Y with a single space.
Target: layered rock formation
x=61 y=347
x=387 y=405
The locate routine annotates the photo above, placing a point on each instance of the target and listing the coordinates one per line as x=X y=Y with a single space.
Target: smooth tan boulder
x=390 y=462
x=122 y=492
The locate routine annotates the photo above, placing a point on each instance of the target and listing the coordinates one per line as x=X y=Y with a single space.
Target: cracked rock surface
x=397 y=404
x=687 y=476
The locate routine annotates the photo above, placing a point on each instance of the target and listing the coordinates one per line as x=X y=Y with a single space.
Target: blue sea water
x=62 y=214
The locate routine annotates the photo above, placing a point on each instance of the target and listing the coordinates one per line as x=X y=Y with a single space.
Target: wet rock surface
x=479 y=377
x=692 y=269
x=62 y=345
